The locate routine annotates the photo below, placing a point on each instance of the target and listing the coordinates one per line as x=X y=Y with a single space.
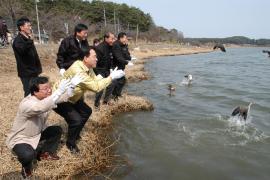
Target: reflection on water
x=191 y=134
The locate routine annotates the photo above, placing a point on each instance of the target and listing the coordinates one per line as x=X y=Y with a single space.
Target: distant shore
x=148 y=51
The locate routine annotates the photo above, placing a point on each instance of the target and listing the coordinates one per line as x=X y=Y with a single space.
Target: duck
x=171 y=87
x=242 y=111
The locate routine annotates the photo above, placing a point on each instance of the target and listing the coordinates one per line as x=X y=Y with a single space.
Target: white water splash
x=186 y=82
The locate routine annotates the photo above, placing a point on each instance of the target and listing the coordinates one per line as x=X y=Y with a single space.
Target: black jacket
x=121 y=55
x=105 y=58
x=28 y=63
x=70 y=51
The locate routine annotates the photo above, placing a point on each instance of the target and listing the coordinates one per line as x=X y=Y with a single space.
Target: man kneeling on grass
x=30 y=138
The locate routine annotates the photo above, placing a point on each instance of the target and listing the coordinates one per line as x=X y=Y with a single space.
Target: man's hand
x=77 y=79
x=116 y=74
x=62 y=87
x=133 y=58
x=99 y=76
x=130 y=64
x=62 y=71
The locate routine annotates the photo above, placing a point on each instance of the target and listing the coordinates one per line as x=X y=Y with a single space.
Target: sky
x=209 y=18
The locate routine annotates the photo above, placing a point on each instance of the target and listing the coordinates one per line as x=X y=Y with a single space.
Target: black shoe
x=73 y=148
x=26 y=173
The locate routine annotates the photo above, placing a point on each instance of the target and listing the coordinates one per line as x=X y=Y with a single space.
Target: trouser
x=48 y=142
x=107 y=96
x=76 y=115
x=120 y=83
x=25 y=83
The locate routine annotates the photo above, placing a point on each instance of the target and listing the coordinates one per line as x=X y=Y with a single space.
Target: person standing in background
x=70 y=49
x=27 y=59
x=104 y=64
x=121 y=58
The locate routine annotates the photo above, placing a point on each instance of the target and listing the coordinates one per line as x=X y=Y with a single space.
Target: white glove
x=99 y=76
x=133 y=58
x=62 y=71
x=62 y=87
x=130 y=64
x=70 y=91
x=75 y=80
x=116 y=74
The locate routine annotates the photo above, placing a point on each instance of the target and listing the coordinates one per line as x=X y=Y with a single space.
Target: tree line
x=58 y=17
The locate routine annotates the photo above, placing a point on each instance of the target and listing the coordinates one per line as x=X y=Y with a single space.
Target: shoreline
x=137 y=72
x=97 y=145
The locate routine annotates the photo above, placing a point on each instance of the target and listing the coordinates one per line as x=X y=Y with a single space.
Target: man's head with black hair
x=122 y=37
x=40 y=87
x=109 y=38
x=81 y=31
x=96 y=42
x=90 y=57
x=24 y=25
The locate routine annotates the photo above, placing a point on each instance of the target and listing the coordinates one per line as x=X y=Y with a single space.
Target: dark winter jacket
x=70 y=51
x=121 y=55
x=28 y=63
x=105 y=58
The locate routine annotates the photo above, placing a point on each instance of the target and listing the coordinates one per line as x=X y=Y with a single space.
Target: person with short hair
x=96 y=42
x=70 y=48
x=27 y=59
x=104 y=64
x=76 y=112
x=30 y=138
x=121 y=58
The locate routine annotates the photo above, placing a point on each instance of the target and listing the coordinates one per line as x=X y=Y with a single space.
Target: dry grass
x=96 y=145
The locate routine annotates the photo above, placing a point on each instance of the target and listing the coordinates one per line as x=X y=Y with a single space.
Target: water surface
x=191 y=135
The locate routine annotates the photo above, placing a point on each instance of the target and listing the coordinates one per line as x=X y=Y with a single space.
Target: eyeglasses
x=46 y=89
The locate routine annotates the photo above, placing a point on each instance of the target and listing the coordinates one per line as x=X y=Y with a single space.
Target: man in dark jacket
x=70 y=49
x=28 y=63
x=104 y=64
x=121 y=58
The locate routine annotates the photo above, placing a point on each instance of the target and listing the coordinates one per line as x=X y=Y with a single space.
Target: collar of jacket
x=106 y=44
x=83 y=66
x=24 y=37
x=120 y=43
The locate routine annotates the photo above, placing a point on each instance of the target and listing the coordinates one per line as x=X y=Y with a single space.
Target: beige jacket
x=30 y=121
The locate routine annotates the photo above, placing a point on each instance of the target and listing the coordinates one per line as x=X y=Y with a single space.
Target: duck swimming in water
x=242 y=111
x=171 y=88
x=187 y=79
x=268 y=52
